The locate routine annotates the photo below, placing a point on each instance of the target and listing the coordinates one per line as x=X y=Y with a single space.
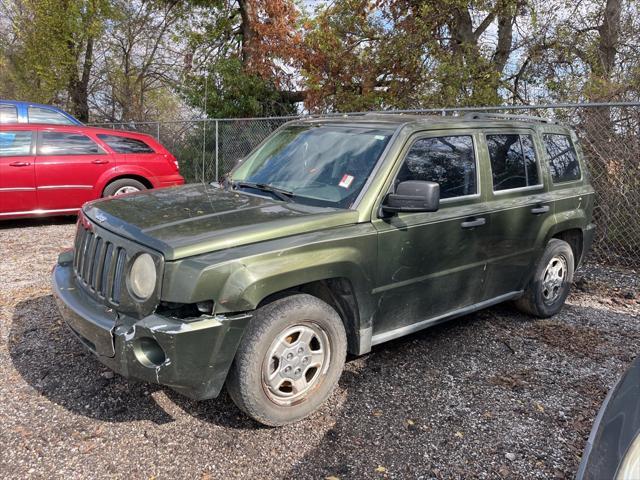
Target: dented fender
x=238 y=279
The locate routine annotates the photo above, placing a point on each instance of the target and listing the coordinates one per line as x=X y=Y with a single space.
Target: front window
x=47 y=115
x=324 y=165
x=448 y=161
x=15 y=143
x=8 y=114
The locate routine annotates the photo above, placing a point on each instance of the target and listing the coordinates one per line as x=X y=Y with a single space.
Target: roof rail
x=506 y=116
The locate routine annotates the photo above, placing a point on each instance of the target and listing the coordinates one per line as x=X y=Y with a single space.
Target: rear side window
x=563 y=160
x=16 y=143
x=63 y=143
x=8 y=114
x=449 y=161
x=513 y=161
x=125 y=144
x=47 y=115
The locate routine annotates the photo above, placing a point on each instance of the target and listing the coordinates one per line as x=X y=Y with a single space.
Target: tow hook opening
x=149 y=352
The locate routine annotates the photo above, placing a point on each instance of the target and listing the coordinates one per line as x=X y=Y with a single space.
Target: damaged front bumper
x=192 y=358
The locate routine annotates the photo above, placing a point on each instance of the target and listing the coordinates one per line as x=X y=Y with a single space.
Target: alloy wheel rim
x=295 y=363
x=553 y=279
x=125 y=189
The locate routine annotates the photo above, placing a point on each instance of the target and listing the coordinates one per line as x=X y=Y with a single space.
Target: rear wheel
x=549 y=287
x=289 y=360
x=122 y=186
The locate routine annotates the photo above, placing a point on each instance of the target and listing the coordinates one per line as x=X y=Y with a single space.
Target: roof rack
x=506 y=116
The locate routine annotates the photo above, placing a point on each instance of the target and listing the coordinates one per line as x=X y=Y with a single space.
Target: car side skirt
x=406 y=330
x=39 y=213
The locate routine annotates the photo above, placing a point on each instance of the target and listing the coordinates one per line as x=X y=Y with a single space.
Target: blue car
x=26 y=112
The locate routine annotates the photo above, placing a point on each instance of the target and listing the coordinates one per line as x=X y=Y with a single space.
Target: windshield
x=324 y=165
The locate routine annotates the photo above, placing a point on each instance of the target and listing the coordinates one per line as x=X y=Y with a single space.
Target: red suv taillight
x=173 y=161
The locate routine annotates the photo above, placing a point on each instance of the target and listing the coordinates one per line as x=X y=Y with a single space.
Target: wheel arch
x=575 y=238
x=572 y=231
x=112 y=176
x=338 y=293
x=143 y=180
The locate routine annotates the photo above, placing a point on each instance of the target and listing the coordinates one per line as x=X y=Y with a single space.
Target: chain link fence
x=609 y=133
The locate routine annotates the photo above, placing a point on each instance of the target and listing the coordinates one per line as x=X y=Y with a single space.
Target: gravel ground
x=491 y=395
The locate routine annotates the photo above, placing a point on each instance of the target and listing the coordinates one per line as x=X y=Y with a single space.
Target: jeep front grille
x=99 y=264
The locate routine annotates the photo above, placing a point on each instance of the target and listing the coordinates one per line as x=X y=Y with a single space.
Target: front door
x=68 y=166
x=17 y=179
x=433 y=264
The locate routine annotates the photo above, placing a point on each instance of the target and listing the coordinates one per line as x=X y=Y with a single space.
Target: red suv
x=54 y=169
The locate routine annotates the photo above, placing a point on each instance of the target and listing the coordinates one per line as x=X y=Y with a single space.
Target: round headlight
x=142 y=277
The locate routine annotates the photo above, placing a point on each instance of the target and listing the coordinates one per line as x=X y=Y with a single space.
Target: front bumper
x=193 y=359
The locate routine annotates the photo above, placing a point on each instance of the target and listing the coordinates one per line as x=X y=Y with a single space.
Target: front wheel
x=549 y=287
x=289 y=360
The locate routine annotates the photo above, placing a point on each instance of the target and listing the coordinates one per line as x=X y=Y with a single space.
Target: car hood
x=193 y=219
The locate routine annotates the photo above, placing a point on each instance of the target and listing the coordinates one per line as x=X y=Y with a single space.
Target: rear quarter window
x=15 y=143
x=125 y=144
x=563 y=159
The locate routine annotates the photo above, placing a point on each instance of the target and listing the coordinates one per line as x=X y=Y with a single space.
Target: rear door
x=130 y=151
x=519 y=203
x=68 y=166
x=17 y=178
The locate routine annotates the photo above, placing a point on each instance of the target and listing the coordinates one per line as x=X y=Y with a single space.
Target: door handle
x=100 y=162
x=540 y=209
x=478 y=222
x=20 y=164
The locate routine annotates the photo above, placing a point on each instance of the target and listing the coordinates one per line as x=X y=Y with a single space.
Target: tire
x=305 y=324
x=122 y=184
x=545 y=299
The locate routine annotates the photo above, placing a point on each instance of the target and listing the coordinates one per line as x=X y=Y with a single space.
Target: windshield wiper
x=281 y=193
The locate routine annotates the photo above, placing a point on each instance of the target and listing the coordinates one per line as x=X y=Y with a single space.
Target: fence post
x=204 y=143
x=158 y=131
x=217 y=178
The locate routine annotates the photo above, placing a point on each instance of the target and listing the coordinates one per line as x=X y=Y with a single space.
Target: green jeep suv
x=334 y=235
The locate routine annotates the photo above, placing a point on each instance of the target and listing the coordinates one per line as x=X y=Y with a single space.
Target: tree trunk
x=79 y=87
x=609 y=38
x=248 y=33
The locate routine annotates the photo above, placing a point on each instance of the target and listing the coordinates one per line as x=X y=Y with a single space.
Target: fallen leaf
x=377 y=413
x=459 y=434
x=381 y=469
x=539 y=407
x=331 y=477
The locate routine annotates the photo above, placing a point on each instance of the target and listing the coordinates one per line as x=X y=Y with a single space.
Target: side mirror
x=413 y=196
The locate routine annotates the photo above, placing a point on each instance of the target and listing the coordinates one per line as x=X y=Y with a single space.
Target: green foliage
x=49 y=38
x=153 y=58
x=232 y=92
x=396 y=54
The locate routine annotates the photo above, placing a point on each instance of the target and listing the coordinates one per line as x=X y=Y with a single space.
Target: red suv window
x=62 y=143
x=125 y=144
